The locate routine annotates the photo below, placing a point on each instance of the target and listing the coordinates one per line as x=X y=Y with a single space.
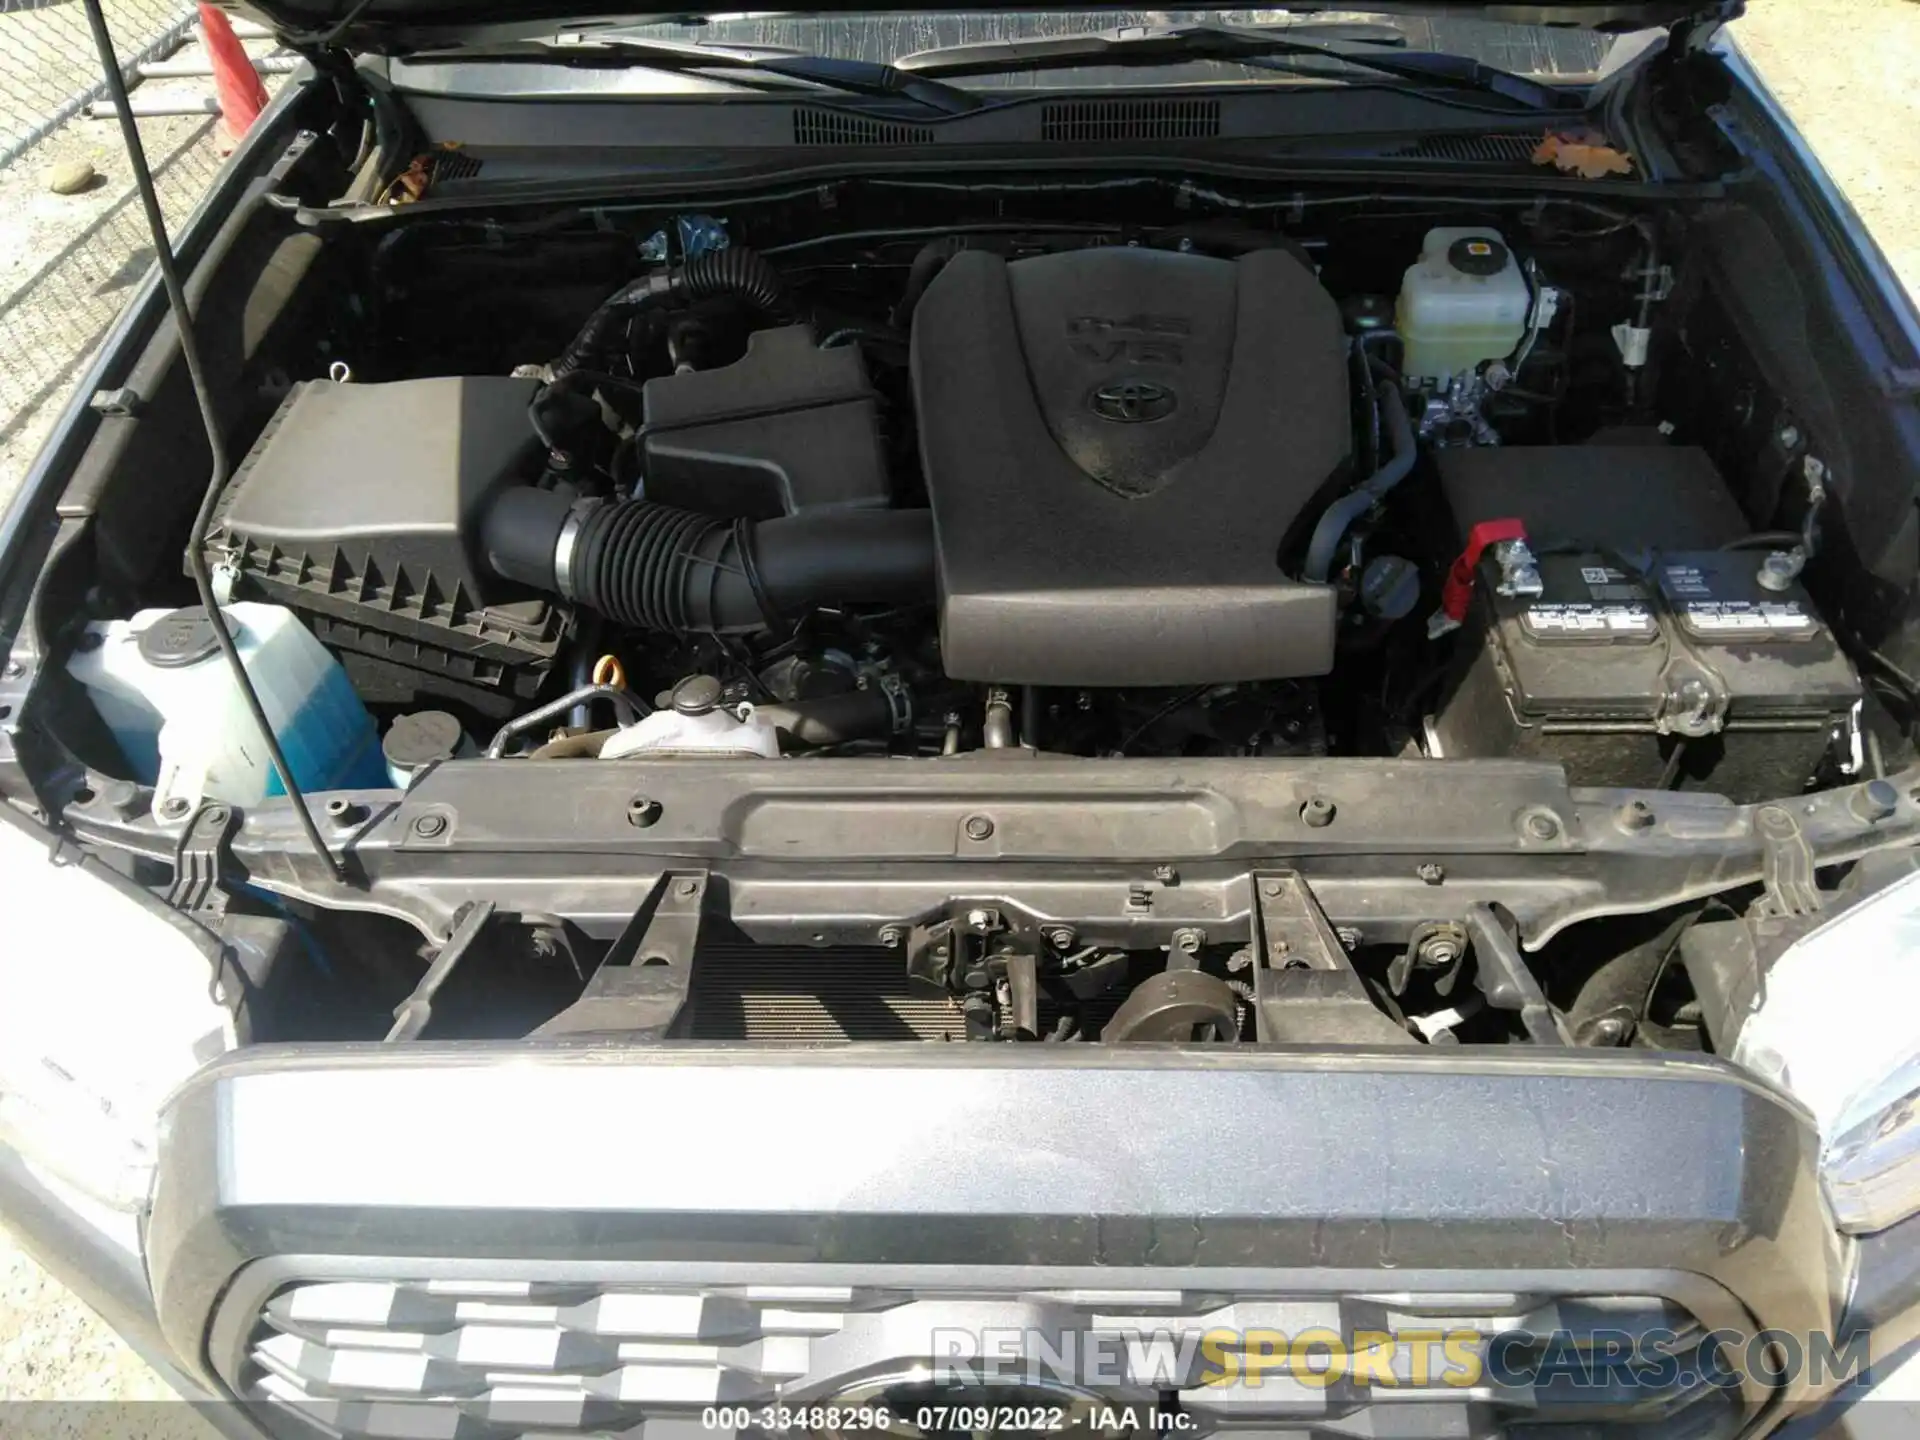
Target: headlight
x=103 y=1011
x=1836 y=1027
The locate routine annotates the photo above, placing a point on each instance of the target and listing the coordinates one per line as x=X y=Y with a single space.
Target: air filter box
x=359 y=508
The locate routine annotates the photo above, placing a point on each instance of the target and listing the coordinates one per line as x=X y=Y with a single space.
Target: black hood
x=398 y=25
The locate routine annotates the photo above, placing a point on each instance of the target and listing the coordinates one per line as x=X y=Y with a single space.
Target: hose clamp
x=564 y=546
x=899 y=702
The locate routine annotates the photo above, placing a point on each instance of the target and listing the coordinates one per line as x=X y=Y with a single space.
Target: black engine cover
x=1117 y=444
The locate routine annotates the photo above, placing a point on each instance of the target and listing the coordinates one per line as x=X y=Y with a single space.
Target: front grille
x=1088 y=122
x=426 y=1358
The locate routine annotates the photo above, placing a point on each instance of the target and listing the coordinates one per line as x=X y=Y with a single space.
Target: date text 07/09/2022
x=928 y=1419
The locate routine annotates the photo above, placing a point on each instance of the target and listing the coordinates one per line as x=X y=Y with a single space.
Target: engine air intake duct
x=656 y=567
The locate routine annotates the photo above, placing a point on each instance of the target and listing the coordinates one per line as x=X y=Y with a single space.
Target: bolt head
x=1430 y=873
x=979 y=919
x=1060 y=937
x=175 y=808
x=979 y=827
x=1541 y=826
x=429 y=826
x=1166 y=874
x=687 y=887
x=1270 y=888
x=891 y=935
x=1608 y=1030
x=14 y=670
x=1637 y=815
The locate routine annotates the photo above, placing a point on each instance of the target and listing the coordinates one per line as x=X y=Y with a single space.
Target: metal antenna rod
x=190 y=352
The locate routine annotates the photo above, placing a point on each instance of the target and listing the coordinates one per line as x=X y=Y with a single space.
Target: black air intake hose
x=740 y=273
x=744 y=274
x=655 y=567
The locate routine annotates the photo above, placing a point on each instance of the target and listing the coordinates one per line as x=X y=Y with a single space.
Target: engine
x=1090 y=498
x=1119 y=446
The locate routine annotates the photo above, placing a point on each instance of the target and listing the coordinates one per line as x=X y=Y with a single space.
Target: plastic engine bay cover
x=1116 y=443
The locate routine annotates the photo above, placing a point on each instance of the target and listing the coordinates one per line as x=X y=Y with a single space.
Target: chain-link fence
x=68 y=261
x=48 y=69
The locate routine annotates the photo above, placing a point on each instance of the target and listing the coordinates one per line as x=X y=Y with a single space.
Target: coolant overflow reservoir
x=1463 y=304
x=691 y=730
x=163 y=689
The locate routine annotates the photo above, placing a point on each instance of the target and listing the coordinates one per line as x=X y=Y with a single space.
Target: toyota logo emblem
x=1130 y=402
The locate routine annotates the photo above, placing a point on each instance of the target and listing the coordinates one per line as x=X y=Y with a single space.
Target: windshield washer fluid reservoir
x=1463 y=304
x=163 y=689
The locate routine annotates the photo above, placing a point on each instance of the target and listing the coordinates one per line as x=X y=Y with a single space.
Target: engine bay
x=1199 y=493
x=960 y=483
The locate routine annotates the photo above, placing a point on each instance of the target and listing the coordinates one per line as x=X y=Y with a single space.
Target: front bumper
x=1328 y=1188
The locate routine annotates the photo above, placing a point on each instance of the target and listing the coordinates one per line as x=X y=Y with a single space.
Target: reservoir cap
x=697 y=695
x=420 y=738
x=1477 y=255
x=183 y=638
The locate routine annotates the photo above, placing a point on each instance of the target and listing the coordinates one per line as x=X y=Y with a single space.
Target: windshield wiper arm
x=854 y=77
x=1179 y=44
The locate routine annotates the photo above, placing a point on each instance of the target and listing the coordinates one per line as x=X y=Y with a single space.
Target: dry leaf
x=1588 y=156
x=411 y=183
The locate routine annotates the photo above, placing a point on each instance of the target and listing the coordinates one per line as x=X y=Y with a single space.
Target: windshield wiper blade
x=1180 y=44
x=852 y=77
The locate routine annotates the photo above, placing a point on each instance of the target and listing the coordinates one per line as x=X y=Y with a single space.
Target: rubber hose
x=743 y=274
x=928 y=262
x=832 y=719
x=1340 y=515
x=740 y=273
x=655 y=567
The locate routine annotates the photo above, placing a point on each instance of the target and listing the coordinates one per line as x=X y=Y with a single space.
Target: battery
x=1650 y=656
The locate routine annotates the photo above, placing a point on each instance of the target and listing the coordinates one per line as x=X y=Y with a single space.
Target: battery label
x=1604 y=583
x=1683 y=580
x=1746 y=617
x=1575 y=619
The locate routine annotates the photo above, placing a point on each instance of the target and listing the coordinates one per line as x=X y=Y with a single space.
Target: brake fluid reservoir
x=1464 y=303
x=163 y=689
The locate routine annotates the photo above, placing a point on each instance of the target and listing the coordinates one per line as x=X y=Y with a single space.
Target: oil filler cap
x=173 y=642
x=1477 y=255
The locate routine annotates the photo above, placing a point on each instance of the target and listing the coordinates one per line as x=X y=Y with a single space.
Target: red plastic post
x=235 y=81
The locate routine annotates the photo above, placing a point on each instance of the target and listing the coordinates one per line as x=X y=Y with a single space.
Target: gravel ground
x=1844 y=68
